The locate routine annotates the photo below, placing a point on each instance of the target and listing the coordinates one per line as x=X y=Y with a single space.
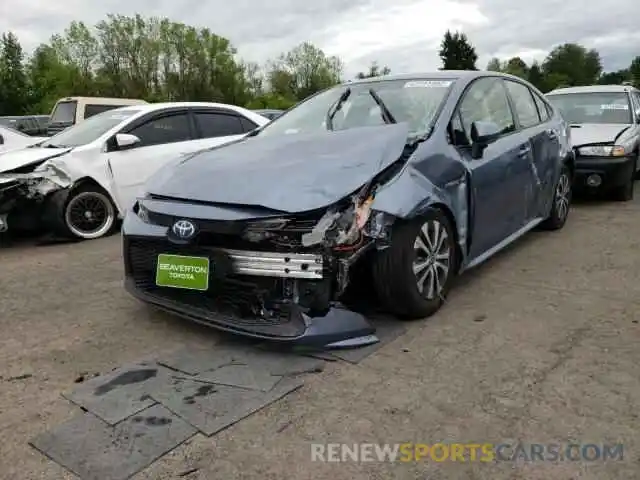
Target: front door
x=162 y=139
x=499 y=177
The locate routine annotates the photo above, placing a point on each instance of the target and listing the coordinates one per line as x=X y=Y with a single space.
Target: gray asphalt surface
x=540 y=344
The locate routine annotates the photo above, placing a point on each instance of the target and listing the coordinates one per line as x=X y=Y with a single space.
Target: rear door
x=164 y=136
x=532 y=116
x=218 y=126
x=497 y=178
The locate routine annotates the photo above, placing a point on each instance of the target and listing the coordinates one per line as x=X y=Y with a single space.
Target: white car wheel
x=89 y=214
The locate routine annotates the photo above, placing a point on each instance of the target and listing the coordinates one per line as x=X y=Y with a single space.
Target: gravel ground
x=539 y=344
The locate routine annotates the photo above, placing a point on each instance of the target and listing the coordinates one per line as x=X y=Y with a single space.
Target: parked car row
x=392 y=185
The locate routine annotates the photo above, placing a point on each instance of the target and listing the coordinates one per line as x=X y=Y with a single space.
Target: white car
x=80 y=181
x=11 y=139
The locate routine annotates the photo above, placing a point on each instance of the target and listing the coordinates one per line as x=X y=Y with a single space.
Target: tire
x=624 y=193
x=65 y=213
x=561 y=204
x=394 y=279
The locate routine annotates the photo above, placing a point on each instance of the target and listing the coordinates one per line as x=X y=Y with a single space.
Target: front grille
x=240 y=301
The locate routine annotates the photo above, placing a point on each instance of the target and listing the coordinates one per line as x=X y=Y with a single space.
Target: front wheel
x=86 y=214
x=414 y=274
x=561 y=201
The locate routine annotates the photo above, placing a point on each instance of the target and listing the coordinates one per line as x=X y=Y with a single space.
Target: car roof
x=593 y=89
x=438 y=74
x=152 y=107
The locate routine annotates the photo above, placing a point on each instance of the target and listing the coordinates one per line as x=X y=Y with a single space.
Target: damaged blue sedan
x=389 y=187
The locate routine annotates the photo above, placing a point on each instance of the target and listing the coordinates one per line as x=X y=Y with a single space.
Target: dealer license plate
x=179 y=271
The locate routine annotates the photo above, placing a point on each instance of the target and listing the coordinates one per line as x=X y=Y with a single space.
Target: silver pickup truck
x=605 y=133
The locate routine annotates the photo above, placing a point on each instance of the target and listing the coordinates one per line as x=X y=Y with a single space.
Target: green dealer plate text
x=179 y=271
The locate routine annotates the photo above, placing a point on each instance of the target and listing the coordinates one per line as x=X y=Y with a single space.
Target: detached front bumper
x=611 y=172
x=233 y=281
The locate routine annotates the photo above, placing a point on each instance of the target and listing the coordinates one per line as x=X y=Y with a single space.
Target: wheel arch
x=90 y=181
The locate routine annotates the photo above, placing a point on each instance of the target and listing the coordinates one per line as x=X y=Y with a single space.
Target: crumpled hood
x=289 y=173
x=588 y=133
x=28 y=156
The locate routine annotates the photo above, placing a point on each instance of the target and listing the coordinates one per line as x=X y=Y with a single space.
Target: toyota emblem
x=184 y=229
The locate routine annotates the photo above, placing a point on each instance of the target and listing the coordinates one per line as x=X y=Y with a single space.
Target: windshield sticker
x=428 y=84
x=614 y=106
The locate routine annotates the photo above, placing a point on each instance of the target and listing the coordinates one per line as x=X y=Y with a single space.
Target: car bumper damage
x=276 y=278
x=23 y=195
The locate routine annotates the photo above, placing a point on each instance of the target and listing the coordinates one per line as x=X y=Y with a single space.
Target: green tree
x=49 y=79
x=518 y=67
x=572 y=65
x=615 y=78
x=13 y=79
x=303 y=71
x=536 y=77
x=457 y=53
x=634 y=72
x=374 y=71
x=494 y=65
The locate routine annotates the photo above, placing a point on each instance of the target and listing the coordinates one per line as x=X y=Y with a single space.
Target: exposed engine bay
x=23 y=192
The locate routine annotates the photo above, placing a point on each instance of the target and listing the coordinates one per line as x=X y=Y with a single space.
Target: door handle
x=524 y=151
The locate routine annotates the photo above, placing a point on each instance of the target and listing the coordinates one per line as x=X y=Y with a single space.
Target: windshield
x=593 y=107
x=89 y=130
x=64 y=112
x=413 y=101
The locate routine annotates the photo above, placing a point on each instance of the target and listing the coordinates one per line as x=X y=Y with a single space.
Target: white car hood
x=27 y=156
x=587 y=133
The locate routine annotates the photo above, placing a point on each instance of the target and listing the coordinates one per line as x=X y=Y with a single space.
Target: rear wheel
x=561 y=201
x=413 y=276
x=86 y=213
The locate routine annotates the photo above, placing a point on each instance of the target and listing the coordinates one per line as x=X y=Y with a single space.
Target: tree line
x=566 y=65
x=156 y=59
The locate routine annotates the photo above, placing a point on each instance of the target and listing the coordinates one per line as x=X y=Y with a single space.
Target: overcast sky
x=403 y=34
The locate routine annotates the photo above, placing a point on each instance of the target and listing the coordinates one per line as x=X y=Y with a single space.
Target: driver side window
x=165 y=129
x=486 y=101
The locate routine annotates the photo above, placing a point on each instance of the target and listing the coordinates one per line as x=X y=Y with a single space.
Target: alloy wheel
x=562 y=199
x=432 y=261
x=89 y=215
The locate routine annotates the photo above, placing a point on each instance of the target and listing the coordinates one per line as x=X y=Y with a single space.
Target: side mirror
x=482 y=134
x=125 y=141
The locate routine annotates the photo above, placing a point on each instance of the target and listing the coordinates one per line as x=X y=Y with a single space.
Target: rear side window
x=166 y=129
x=543 y=108
x=636 y=96
x=91 y=110
x=525 y=105
x=64 y=112
x=247 y=124
x=214 y=124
